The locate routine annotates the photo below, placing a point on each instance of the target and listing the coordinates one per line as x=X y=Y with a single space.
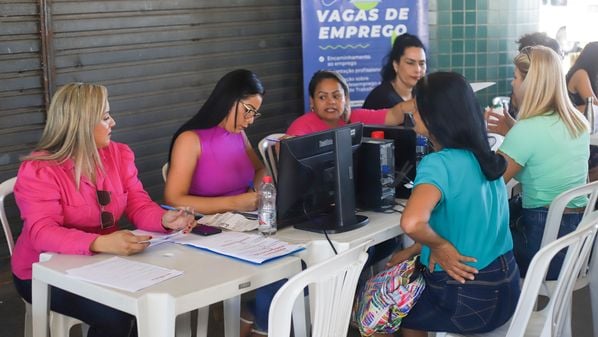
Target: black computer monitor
x=404 y=139
x=315 y=187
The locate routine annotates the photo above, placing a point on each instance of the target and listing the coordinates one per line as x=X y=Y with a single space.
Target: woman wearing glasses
x=546 y=148
x=212 y=166
x=72 y=190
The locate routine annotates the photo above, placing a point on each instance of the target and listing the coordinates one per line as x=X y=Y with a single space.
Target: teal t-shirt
x=473 y=212
x=552 y=160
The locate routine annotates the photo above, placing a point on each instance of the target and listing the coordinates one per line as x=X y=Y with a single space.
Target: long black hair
x=401 y=43
x=230 y=89
x=451 y=113
x=588 y=61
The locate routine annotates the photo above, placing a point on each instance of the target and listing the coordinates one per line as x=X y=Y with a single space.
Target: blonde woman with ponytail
x=547 y=150
x=71 y=191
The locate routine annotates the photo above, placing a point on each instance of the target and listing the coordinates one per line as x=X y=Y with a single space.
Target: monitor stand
x=326 y=223
x=343 y=218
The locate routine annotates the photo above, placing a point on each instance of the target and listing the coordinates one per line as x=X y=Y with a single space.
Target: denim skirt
x=476 y=306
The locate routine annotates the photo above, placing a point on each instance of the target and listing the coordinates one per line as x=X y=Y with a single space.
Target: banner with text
x=353 y=37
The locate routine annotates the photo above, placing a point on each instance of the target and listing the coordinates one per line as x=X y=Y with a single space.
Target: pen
x=170 y=208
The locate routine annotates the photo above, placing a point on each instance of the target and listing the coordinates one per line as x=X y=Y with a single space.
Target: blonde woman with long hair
x=71 y=191
x=546 y=148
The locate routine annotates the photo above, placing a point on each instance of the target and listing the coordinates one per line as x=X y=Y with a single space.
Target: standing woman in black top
x=404 y=65
x=582 y=78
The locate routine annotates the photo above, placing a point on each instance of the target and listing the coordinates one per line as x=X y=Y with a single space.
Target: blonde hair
x=545 y=90
x=75 y=110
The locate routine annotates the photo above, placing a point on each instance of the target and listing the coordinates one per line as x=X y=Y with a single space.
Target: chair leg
x=594 y=296
x=202 y=321
x=183 y=325
x=566 y=332
x=27 y=329
x=59 y=325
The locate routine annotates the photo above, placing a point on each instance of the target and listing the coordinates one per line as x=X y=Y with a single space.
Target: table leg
x=156 y=316
x=232 y=313
x=40 y=298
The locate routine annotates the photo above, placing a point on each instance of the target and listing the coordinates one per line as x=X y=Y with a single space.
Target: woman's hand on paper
x=180 y=219
x=121 y=242
x=452 y=262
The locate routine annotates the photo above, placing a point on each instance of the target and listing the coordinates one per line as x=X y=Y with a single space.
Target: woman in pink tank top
x=212 y=165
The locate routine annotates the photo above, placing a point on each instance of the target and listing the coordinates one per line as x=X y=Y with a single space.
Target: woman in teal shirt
x=547 y=151
x=458 y=216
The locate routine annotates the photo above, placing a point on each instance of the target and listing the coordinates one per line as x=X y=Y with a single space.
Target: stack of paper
x=123 y=274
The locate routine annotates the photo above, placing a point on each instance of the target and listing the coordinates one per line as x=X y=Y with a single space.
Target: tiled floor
x=12 y=311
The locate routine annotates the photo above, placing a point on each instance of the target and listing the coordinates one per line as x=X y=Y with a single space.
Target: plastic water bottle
x=421 y=148
x=267 y=207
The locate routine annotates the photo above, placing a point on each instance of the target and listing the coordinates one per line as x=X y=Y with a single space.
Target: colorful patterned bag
x=387 y=297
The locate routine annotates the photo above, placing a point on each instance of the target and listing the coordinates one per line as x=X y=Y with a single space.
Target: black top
x=383 y=96
x=576 y=99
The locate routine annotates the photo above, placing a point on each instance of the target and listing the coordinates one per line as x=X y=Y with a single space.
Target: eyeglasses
x=106 y=218
x=250 y=112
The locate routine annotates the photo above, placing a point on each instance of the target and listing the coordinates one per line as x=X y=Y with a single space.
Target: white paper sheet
x=477 y=86
x=252 y=248
x=123 y=274
x=158 y=238
x=231 y=221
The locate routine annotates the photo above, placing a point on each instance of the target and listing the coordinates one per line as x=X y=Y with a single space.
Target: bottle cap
x=267 y=179
x=377 y=134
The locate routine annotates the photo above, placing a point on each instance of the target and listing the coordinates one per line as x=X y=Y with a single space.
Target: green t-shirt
x=473 y=212
x=552 y=160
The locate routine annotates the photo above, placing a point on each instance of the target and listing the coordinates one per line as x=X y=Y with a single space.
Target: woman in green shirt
x=546 y=149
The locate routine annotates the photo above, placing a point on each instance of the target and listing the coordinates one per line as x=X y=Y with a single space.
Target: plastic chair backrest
x=591 y=112
x=588 y=273
x=165 y=171
x=557 y=209
x=6 y=188
x=579 y=245
x=266 y=147
x=332 y=284
x=551 y=319
x=60 y=325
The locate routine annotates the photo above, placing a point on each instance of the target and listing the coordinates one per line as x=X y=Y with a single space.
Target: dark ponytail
x=453 y=117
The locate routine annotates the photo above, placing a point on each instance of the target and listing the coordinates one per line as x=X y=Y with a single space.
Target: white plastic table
x=381 y=227
x=208 y=278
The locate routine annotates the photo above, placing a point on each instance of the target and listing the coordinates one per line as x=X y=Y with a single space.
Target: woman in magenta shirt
x=212 y=165
x=330 y=108
x=72 y=190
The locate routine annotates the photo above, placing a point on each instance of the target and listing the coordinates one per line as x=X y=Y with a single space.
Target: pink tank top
x=223 y=168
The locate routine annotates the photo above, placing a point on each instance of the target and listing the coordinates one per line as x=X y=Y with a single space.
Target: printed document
x=123 y=274
x=253 y=248
x=237 y=222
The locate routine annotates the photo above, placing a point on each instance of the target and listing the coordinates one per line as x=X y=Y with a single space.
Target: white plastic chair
x=165 y=171
x=551 y=320
x=332 y=284
x=60 y=325
x=589 y=271
x=183 y=321
x=266 y=147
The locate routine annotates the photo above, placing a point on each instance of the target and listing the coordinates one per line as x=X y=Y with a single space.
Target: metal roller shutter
x=159 y=60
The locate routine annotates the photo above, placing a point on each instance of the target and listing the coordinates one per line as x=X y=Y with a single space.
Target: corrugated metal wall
x=159 y=60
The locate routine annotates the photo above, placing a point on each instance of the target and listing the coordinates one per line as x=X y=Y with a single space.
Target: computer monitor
x=404 y=139
x=316 y=188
